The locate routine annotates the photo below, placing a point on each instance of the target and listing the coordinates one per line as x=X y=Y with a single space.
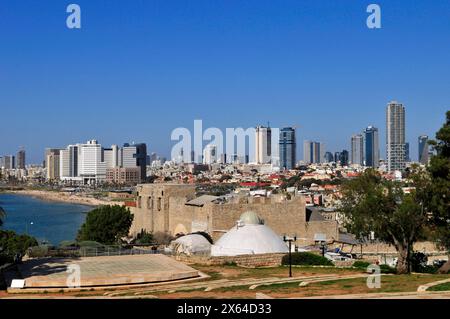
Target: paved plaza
x=104 y=271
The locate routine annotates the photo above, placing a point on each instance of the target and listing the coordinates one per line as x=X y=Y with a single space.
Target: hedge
x=306 y=259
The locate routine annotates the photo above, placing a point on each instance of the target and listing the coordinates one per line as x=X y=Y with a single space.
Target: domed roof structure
x=249 y=236
x=251 y=218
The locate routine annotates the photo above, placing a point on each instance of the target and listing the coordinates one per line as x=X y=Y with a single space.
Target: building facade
x=423 y=149
x=372 y=148
x=263 y=145
x=395 y=137
x=357 y=149
x=175 y=209
x=313 y=152
x=288 y=148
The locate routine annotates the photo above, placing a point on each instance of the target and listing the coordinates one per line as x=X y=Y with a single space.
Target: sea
x=47 y=221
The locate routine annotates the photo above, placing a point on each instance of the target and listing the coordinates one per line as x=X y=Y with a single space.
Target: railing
x=94 y=252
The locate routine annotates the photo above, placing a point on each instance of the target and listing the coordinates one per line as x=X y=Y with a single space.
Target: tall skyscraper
x=263 y=145
x=329 y=157
x=288 y=148
x=8 y=162
x=423 y=149
x=395 y=137
x=343 y=158
x=134 y=155
x=372 y=148
x=68 y=163
x=357 y=146
x=313 y=152
x=21 y=159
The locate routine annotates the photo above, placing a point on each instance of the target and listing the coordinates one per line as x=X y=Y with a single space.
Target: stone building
x=175 y=209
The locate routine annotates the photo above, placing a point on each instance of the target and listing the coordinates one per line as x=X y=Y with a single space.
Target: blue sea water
x=44 y=220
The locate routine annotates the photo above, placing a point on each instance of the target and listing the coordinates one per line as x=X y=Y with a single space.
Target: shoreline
x=63 y=197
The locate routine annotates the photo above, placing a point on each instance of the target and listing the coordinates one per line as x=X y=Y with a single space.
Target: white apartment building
x=263 y=145
x=92 y=167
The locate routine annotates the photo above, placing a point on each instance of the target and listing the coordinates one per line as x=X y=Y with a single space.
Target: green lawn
x=441 y=287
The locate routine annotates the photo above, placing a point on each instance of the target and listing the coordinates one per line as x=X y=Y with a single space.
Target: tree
x=106 y=225
x=2 y=216
x=373 y=204
x=14 y=246
x=439 y=205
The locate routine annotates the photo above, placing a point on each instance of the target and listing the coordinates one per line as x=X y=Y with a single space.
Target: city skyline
x=308 y=64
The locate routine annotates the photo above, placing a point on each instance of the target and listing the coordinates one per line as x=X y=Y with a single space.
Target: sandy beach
x=65 y=197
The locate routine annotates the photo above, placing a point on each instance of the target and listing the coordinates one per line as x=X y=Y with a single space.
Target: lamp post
x=26 y=227
x=290 y=240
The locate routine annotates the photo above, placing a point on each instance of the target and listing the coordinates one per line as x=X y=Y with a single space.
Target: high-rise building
x=313 y=152
x=372 y=148
x=210 y=154
x=424 y=149
x=92 y=167
x=21 y=159
x=357 y=146
x=337 y=157
x=288 y=148
x=343 y=158
x=329 y=157
x=52 y=163
x=395 y=137
x=8 y=162
x=263 y=145
x=407 y=158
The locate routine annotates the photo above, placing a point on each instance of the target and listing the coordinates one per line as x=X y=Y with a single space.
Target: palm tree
x=2 y=215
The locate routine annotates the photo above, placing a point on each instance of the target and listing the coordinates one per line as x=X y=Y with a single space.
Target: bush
x=143 y=238
x=162 y=238
x=38 y=251
x=386 y=269
x=361 y=264
x=306 y=259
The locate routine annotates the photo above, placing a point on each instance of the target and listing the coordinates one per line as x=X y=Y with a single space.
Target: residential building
x=21 y=159
x=263 y=145
x=313 y=152
x=52 y=164
x=395 y=137
x=357 y=147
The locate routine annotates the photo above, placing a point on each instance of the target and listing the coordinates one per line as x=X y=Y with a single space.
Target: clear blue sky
x=138 y=69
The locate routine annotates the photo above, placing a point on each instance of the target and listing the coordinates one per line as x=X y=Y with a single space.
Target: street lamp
x=26 y=227
x=290 y=240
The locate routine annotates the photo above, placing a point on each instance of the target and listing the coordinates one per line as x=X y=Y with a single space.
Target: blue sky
x=138 y=69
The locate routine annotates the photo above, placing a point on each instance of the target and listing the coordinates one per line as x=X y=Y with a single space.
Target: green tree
x=106 y=225
x=439 y=204
x=13 y=245
x=2 y=216
x=373 y=204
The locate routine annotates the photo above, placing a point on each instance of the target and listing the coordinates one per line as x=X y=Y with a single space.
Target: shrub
x=306 y=259
x=386 y=269
x=361 y=264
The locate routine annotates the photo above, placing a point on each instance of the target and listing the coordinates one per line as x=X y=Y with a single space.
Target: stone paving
x=104 y=271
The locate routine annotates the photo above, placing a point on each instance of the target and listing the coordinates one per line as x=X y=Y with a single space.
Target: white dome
x=249 y=239
x=190 y=244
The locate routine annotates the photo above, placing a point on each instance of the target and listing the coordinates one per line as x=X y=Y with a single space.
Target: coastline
x=63 y=197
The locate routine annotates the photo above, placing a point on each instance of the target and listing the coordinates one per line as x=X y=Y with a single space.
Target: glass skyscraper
x=372 y=149
x=288 y=148
x=423 y=149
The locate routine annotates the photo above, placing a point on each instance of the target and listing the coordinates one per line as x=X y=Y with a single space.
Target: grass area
x=232 y=272
x=441 y=287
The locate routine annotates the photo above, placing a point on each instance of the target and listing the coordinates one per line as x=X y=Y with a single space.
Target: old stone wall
x=249 y=261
